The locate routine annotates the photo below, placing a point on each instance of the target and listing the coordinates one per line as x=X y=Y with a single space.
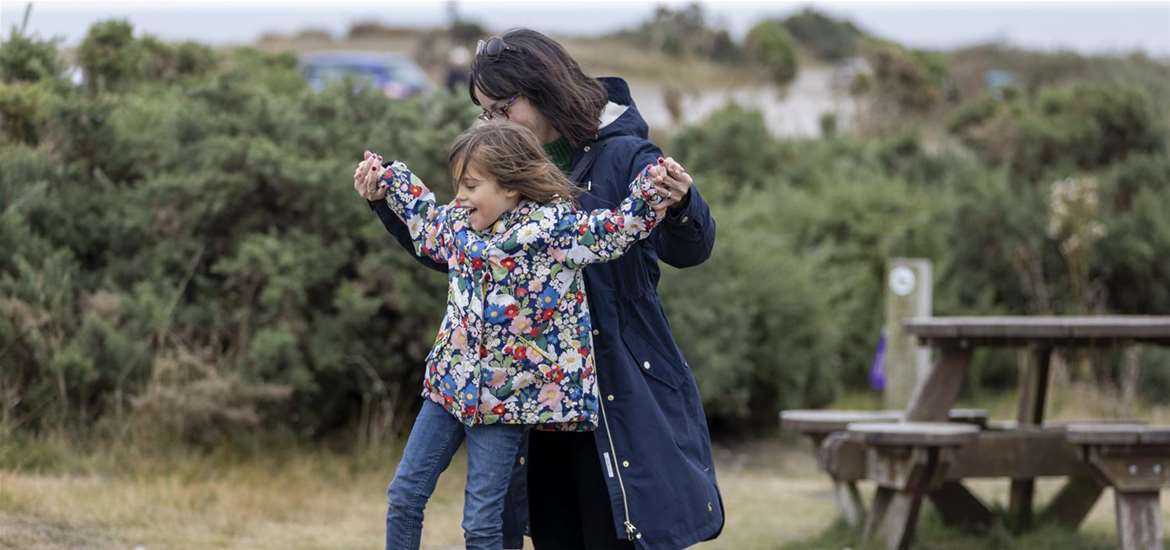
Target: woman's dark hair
x=537 y=67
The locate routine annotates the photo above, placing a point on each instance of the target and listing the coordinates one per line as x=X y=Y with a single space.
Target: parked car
x=397 y=76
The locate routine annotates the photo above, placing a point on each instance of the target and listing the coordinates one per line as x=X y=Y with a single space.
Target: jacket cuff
x=680 y=214
x=380 y=206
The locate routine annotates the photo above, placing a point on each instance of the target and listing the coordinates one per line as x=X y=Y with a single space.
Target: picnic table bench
x=1021 y=451
x=826 y=430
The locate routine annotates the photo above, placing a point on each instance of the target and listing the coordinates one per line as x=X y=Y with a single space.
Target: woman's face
x=522 y=112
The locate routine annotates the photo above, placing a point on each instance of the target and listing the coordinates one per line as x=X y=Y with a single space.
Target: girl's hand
x=367 y=178
x=657 y=175
x=676 y=182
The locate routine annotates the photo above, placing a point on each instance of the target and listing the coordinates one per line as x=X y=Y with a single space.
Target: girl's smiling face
x=483 y=197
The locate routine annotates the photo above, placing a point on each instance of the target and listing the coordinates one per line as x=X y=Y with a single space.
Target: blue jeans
x=492 y=452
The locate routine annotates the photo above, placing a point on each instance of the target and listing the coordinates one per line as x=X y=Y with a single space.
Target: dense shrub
x=1063 y=128
x=26 y=59
x=827 y=38
x=183 y=250
x=684 y=32
x=163 y=214
x=903 y=80
x=770 y=46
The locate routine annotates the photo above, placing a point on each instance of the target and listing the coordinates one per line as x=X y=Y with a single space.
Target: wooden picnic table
x=954 y=339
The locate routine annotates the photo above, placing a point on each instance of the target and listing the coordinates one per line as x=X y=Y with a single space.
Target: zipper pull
x=632 y=532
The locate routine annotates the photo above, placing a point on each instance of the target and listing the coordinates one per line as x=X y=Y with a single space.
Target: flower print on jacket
x=515 y=344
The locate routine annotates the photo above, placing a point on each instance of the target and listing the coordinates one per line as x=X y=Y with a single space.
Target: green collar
x=560 y=152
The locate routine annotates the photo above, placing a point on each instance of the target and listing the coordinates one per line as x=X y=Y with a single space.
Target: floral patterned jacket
x=515 y=344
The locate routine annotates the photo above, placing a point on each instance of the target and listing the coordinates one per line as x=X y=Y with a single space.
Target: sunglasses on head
x=492 y=47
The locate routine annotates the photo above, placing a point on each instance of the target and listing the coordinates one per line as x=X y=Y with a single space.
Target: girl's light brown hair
x=512 y=155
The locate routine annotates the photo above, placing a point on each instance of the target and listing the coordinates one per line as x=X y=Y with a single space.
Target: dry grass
x=53 y=496
x=319 y=499
x=606 y=57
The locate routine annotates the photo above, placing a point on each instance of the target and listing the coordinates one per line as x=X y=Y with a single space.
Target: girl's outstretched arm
x=581 y=238
x=429 y=223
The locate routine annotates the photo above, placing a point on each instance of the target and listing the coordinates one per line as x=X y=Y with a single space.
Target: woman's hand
x=367 y=178
x=675 y=184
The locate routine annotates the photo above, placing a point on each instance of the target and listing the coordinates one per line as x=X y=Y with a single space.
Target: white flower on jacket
x=527 y=233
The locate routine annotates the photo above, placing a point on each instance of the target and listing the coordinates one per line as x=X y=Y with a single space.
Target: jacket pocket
x=651 y=360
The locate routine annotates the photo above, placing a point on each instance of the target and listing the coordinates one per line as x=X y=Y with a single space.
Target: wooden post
x=908 y=294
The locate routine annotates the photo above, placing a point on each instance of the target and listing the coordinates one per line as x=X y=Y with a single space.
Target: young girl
x=515 y=346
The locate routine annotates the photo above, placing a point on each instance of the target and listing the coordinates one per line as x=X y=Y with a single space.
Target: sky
x=1086 y=27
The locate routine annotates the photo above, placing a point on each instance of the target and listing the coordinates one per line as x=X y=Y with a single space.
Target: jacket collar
x=509 y=218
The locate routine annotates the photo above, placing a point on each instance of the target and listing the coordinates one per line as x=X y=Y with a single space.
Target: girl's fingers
x=672 y=164
x=666 y=192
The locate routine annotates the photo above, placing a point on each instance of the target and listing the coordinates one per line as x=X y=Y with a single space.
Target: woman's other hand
x=675 y=184
x=367 y=178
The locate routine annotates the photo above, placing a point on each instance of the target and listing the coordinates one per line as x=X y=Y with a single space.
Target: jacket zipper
x=542 y=352
x=632 y=532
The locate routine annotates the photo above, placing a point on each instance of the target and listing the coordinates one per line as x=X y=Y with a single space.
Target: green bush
x=906 y=80
x=172 y=214
x=770 y=46
x=772 y=341
x=734 y=145
x=25 y=59
x=23 y=112
x=684 y=32
x=1064 y=128
x=183 y=250
x=1135 y=251
x=109 y=56
x=827 y=38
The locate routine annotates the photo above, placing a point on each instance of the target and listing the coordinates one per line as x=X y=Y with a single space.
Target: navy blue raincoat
x=653 y=442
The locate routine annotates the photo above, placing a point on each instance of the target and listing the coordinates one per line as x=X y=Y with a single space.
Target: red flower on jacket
x=509 y=263
x=498 y=409
x=520 y=352
x=511 y=311
x=415 y=191
x=546 y=314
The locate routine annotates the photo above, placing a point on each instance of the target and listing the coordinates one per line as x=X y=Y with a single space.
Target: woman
x=645 y=478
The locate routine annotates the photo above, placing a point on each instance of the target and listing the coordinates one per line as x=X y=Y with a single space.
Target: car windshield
x=323 y=73
x=407 y=72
